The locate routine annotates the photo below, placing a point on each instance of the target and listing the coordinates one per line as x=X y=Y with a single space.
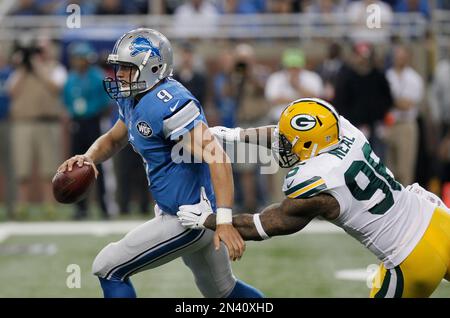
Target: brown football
x=72 y=186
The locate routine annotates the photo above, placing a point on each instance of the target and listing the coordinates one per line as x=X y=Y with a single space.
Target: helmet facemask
x=124 y=87
x=282 y=150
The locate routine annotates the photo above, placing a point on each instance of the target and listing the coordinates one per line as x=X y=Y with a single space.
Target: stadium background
x=226 y=52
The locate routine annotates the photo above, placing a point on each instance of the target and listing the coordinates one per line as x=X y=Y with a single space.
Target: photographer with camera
x=36 y=112
x=239 y=97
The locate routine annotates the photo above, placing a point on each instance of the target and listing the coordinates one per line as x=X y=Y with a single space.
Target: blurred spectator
x=86 y=102
x=391 y=3
x=291 y=83
x=413 y=6
x=47 y=7
x=87 y=7
x=36 y=111
x=323 y=7
x=239 y=97
x=138 y=6
x=440 y=106
x=362 y=93
x=26 y=7
x=171 y=5
x=187 y=74
x=361 y=19
x=224 y=90
x=282 y=88
x=242 y=6
x=111 y=7
x=131 y=181
x=440 y=95
x=322 y=13
x=329 y=70
x=6 y=166
x=195 y=18
x=403 y=133
x=443 y=4
x=281 y=6
x=249 y=78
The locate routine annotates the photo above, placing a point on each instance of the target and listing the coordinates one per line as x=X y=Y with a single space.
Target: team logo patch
x=144 y=129
x=303 y=122
x=142 y=45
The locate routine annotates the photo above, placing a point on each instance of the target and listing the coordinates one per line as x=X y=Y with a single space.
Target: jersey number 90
x=387 y=183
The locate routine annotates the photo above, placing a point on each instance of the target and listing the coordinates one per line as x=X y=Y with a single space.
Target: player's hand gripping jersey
x=374 y=208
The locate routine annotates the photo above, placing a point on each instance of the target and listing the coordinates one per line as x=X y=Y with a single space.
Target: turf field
x=302 y=265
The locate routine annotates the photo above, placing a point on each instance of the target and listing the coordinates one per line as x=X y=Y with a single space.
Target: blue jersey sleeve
x=184 y=117
x=171 y=110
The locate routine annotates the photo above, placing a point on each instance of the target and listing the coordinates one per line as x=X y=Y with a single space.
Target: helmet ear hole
x=155 y=69
x=307 y=144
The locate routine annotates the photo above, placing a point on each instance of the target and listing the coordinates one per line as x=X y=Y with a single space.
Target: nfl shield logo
x=144 y=129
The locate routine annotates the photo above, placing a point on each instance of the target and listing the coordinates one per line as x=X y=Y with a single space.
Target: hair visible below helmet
x=307 y=127
x=146 y=51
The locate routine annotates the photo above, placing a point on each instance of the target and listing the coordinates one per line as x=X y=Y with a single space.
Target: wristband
x=259 y=227
x=224 y=216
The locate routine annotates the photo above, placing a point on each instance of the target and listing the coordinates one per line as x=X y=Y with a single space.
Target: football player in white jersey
x=336 y=176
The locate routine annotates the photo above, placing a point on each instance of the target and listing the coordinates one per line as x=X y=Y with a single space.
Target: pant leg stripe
x=384 y=287
x=392 y=284
x=164 y=255
x=156 y=252
x=400 y=283
x=109 y=273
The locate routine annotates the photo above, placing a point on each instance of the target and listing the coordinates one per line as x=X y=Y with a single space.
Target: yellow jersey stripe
x=309 y=187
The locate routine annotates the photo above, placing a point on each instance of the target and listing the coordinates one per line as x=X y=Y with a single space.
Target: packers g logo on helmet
x=307 y=128
x=303 y=122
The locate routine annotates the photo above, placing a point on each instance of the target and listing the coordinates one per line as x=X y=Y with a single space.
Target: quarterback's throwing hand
x=80 y=160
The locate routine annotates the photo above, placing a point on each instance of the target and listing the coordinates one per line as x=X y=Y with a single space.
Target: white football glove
x=194 y=216
x=229 y=135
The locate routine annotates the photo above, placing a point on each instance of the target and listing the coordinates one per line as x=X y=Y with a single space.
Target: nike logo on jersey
x=173 y=108
x=290 y=183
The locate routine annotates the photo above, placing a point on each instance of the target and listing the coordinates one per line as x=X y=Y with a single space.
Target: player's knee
x=103 y=261
x=211 y=283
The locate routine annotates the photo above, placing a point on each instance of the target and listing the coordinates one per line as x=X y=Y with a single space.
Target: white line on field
x=101 y=228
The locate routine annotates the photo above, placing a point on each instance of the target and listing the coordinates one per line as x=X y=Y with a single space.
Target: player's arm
x=201 y=143
x=102 y=149
x=283 y=218
x=262 y=136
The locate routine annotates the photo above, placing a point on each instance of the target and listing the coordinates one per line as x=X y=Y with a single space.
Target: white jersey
x=374 y=208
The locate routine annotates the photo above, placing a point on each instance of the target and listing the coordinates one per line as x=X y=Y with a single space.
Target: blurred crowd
x=184 y=8
x=52 y=104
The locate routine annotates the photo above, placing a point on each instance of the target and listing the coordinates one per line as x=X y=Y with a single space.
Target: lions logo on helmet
x=142 y=45
x=307 y=128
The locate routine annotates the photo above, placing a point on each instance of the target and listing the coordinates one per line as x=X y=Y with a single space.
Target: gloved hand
x=194 y=216
x=229 y=135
